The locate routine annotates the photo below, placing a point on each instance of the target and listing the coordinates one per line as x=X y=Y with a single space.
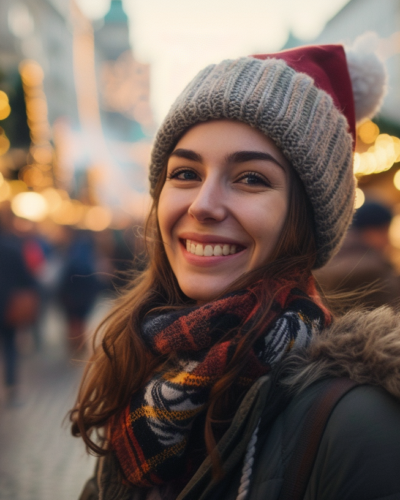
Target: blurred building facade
x=124 y=82
x=40 y=30
x=82 y=109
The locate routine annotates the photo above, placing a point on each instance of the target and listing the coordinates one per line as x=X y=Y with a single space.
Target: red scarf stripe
x=185 y=340
x=126 y=445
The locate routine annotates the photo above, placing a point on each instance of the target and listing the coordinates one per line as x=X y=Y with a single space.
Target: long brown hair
x=121 y=365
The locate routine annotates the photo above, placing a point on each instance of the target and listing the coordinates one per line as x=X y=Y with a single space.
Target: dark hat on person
x=307 y=100
x=372 y=214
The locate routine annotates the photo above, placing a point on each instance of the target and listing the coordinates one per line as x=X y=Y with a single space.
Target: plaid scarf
x=150 y=437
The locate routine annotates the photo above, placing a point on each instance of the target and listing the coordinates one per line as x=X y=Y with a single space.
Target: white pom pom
x=368 y=75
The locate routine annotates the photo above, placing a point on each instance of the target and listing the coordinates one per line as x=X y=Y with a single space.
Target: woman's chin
x=205 y=292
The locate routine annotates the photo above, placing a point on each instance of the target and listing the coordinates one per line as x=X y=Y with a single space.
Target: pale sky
x=180 y=37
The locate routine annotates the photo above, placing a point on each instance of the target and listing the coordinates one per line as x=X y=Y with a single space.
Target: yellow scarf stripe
x=153 y=462
x=151 y=412
x=186 y=378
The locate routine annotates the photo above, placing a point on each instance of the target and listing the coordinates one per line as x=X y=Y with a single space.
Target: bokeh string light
x=30 y=205
x=379 y=157
x=359 y=198
x=97 y=218
x=36 y=196
x=5 y=108
x=4 y=142
x=396 y=180
x=368 y=132
x=377 y=153
x=46 y=202
x=38 y=173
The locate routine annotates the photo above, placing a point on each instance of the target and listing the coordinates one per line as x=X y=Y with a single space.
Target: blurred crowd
x=362 y=271
x=68 y=269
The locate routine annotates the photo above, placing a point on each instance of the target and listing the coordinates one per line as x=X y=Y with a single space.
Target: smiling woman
x=215 y=358
x=223 y=205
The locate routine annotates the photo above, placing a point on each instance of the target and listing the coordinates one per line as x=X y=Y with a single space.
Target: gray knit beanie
x=310 y=118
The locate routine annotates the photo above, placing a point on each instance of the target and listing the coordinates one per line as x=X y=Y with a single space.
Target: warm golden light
x=97 y=218
x=42 y=154
x=396 y=145
x=32 y=176
x=370 y=162
x=5 y=109
x=368 y=132
x=38 y=175
x=53 y=198
x=31 y=73
x=5 y=191
x=17 y=187
x=396 y=180
x=4 y=144
x=30 y=205
x=359 y=199
x=36 y=109
x=394 y=231
x=390 y=146
x=380 y=156
x=40 y=133
x=47 y=180
x=356 y=162
x=1 y=178
x=69 y=212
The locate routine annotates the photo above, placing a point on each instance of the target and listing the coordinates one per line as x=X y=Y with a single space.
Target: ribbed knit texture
x=301 y=119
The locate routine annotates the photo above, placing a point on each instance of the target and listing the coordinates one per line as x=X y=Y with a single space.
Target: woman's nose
x=209 y=203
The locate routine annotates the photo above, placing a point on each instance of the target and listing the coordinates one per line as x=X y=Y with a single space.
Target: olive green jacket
x=359 y=454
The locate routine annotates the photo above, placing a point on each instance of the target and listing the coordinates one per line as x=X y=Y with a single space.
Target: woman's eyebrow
x=237 y=157
x=244 y=156
x=188 y=154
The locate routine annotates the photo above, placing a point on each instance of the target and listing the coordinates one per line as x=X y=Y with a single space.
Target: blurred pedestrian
x=362 y=264
x=78 y=286
x=19 y=305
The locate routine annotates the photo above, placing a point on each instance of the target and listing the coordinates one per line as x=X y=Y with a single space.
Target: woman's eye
x=253 y=179
x=183 y=175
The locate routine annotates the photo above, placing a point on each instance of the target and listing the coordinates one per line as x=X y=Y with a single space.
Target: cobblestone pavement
x=39 y=459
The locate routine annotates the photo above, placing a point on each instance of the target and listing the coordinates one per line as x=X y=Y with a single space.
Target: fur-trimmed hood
x=361 y=345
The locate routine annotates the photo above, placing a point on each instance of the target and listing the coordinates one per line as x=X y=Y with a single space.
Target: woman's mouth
x=211 y=249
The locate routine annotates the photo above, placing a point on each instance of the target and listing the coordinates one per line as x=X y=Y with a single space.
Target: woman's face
x=223 y=205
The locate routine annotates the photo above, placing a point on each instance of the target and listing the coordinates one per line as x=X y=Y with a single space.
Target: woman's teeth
x=209 y=250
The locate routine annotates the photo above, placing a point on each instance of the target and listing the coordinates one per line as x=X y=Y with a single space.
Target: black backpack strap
x=300 y=465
